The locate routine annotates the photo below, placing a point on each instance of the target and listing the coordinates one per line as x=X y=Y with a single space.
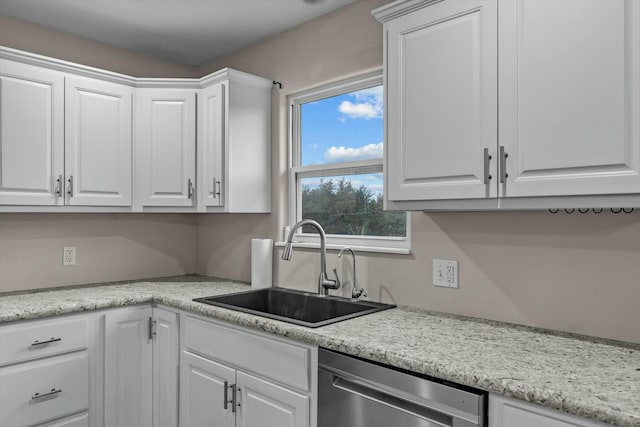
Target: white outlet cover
x=445 y=273
x=69 y=255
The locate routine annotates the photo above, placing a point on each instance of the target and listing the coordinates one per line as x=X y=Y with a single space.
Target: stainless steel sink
x=297 y=307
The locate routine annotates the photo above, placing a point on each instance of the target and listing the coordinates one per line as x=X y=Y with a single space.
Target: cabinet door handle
x=52 y=393
x=49 y=341
x=214 y=192
x=189 y=188
x=70 y=189
x=59 y=185
x=234 y=398
x=503 y=165
x=487 y=167
x=226 y=396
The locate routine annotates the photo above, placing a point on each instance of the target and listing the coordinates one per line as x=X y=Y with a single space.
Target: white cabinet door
x=127 y=368
x=202 y=392
x=263 y=404
x=166 y=358
x=166 y=147
x=97 y=142
x=211 y=145
x=31 y=135
x=570 y=96
x=441 y=111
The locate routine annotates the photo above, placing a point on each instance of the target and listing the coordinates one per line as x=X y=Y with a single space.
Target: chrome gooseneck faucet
x=324 y=283
x=355 y=291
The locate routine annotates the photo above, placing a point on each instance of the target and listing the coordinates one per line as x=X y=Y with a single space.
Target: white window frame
x=382 y=244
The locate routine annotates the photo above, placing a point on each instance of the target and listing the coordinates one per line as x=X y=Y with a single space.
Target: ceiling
x=187 y=31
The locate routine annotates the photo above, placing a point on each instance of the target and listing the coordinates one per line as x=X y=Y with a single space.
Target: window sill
x=334 y=247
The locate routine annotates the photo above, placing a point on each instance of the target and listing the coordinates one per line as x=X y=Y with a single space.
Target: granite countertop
x=592 y=378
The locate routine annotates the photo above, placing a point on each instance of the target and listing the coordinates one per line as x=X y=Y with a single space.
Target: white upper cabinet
x=79 y=139
x=569 y=91
x=212 y=108
x=234 y=149
x=510 y=104
x=31 y=135
x=97 y=142
x=441 y=110
x=66 y=140
x=166 y=147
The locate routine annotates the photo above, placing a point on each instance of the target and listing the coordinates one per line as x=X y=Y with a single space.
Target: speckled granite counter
x=593 y=379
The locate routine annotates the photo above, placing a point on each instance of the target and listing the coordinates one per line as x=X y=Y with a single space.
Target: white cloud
x=360 y=111
x=368 y=104
x=347 y=154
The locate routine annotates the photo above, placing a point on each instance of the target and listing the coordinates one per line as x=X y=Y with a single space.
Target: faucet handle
x=337 y=281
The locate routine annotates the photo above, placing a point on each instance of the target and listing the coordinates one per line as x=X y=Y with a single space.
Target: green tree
x=342 y=208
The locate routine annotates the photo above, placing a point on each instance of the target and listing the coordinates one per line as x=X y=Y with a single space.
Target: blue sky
x=344 y=128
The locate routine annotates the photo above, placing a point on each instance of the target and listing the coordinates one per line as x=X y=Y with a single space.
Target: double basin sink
x=300 y=308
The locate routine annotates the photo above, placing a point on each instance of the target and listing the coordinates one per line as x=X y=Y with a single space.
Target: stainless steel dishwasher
x=357 y=393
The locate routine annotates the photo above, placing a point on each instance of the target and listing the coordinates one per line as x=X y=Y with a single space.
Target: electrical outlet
x=445 y=273
x=69 y=255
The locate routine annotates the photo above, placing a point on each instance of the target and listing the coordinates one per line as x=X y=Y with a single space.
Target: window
x=336 y=167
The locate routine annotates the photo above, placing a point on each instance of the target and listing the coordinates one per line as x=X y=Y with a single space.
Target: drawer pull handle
x=51 y=394
x=49 y=341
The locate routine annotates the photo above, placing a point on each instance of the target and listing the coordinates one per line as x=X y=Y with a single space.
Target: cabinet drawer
x=284 y=362
x=509 y=412
x=42 y=390
x=80 y=420
x=42 y=338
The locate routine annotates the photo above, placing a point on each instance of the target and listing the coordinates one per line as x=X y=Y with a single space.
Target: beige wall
x=23 y=35
x=577 y=273
x=110 y=247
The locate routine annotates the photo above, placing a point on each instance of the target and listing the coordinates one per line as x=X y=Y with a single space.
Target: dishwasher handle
x=397 y=403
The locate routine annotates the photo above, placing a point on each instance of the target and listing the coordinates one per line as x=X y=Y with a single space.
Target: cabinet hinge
x=152 y=328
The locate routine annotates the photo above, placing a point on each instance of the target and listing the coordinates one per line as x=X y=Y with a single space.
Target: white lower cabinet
x=233 y=377
x=37 y=391
x=507 y=412
x=46 y=372
x=141 y=341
